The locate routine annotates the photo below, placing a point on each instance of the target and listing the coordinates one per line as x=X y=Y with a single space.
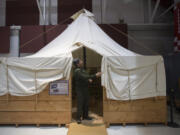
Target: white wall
x=158 y=36
x=2 y=12
x=132 y=11
x=113 y=10
x=50 y=13
x=14 y=42
x=96 y=9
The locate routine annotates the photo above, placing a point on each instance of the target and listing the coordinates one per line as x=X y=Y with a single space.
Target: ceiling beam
x=154 y=11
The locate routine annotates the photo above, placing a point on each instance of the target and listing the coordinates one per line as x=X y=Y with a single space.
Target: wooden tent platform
x=149 y=110
x=57 y=109
x=37 y=109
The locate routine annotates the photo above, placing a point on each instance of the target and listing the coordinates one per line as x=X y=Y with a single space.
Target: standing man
x=81 y=80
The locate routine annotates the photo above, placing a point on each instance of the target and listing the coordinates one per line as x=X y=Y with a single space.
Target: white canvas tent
x=126 y=75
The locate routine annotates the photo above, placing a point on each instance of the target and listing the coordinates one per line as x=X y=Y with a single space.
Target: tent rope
x=156 y=68
x=7 y=80
x=129 y=85
x=36 y=37
x=132 y=38
x=35 y=83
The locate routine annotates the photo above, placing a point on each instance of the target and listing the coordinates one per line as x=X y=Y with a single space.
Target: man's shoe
x=87 y=118
x=78 y=121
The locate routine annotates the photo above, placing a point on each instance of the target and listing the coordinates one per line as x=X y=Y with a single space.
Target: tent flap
x=29 y=76
x=128 y=78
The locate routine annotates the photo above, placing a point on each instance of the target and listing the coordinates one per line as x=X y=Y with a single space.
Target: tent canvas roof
x=83 y=32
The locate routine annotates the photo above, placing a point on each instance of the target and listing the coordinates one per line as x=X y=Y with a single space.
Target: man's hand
x=98 y=74
x=90 y=80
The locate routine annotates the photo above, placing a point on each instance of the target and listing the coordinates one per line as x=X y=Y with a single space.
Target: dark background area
x=172 y=66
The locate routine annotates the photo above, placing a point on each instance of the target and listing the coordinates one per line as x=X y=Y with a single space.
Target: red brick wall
x=4 y=39
x=32 y=32
x=118 y=37
x=66 y=8
x=22 y=12
x=25 y=12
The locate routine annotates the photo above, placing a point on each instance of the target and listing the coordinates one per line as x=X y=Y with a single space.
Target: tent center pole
x=84 y=57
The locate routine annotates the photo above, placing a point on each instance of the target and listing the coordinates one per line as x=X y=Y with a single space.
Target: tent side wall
x=37 y=109
x=148 y=110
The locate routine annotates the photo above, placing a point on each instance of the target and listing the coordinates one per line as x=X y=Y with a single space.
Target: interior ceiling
x=166 y=3
x=28 y=10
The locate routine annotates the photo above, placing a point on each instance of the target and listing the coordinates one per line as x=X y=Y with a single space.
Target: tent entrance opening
x=93 y=65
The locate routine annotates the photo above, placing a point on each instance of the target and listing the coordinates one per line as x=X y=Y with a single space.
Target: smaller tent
x=125 y=74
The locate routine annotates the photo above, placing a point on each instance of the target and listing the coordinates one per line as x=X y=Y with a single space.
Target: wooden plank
x=149 y=110
x=35 y=117
x=70 y=95
x=157 y=105
x=135 y=117
x=37 y=109
x=21 y=98
x=116 y=106
x=3 y=98
x=135 y=105
x=53 y=106
x=177 y=101
x=17 y=106
x=40 y=106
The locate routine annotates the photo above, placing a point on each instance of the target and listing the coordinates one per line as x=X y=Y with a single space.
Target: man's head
x=78 y=62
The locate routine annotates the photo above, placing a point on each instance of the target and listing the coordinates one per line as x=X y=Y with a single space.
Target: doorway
x=93 y=65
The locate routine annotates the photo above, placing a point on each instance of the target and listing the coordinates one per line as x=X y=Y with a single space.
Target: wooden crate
x=37 y=109
x=149 y=110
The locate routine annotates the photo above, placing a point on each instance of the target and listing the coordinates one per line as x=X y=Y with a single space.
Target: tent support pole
x=167 y=10
x=156 y=80
x=35 y=82
x=84 y=57
x=129 y=88
x=149 y=10
x=45 y=37
x=154 y=11
x=8 y=98
x=40 y=11
x=7 y=74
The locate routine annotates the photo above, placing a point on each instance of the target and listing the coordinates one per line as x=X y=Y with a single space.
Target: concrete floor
x=113 y=130
x=148 y=130
x=141 y=130
x=33 y=130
